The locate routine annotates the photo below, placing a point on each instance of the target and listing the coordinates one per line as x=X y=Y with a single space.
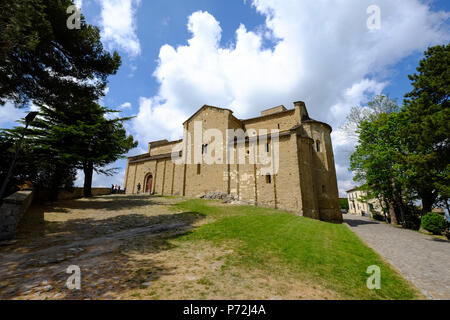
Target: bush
x=434 y=223
x=378 y=217
x=344 y=203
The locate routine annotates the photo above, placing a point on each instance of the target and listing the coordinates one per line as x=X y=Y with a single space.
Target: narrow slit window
x=199 y=169
x=268 y=179
x=267 y=147
x=204 y=149
x=318 y=146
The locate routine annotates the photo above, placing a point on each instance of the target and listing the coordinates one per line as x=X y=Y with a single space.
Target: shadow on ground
x=358 y=222
x=108 y=203
x=35 y=267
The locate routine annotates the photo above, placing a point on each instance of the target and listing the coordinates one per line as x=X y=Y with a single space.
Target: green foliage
x=434 y=223
x=82 y=136
x=403 y=154
x=378 y=161
x=344 y=203
x=43 y=61
x=427 y=130
x=44 y=169
x=64 y=72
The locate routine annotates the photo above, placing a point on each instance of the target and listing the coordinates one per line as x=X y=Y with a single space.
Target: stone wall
x=75 y=193
x=12 y=211
x=305 y=182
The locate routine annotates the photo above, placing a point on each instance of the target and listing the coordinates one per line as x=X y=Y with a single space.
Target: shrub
x=344 y=203
x=378 y=217
x=434 y=223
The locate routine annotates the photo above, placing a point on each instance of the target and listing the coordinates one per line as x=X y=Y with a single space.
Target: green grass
x=274 y=241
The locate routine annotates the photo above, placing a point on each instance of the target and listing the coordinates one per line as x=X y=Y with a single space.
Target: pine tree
x=43 y=61
x=428 y=128
x=83 y=137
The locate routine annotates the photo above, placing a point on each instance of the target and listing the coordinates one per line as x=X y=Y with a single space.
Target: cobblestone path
x=424 y=260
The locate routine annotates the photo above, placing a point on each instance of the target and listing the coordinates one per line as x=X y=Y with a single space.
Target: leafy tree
x=82 y=136
x=344 y=203
x=358 y=114
x=64 y=72
x=43 y=61
x=427 y=129
x=378 y=165
x=43 y=168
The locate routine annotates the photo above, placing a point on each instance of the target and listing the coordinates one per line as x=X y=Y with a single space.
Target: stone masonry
x=305 y=181
x=11 y=211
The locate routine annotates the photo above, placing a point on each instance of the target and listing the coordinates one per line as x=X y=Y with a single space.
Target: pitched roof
x=204 y=107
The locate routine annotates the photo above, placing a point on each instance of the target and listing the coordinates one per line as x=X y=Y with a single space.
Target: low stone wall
x=75 y=193
x=12 y=211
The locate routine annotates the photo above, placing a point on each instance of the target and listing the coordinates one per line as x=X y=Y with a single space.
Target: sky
x=250 y=55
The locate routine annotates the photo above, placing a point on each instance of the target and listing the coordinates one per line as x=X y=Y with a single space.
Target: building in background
x=361 y=207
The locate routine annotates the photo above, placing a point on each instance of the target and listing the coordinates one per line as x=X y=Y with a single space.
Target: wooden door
x=148 y=185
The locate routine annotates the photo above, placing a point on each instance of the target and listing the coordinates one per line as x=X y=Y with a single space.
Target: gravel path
x=422 y=259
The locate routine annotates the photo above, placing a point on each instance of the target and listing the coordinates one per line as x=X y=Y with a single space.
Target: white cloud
x=126 y=105
x=323 y=54
x=118 y=22
x=156 y=121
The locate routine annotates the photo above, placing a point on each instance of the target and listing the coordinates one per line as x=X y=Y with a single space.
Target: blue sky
x=249 y=55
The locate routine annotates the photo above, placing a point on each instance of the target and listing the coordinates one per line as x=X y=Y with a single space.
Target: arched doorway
x=149 y=184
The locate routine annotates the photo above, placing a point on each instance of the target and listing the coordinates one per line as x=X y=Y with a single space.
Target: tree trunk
x=392 y=213
x=399 y=210
x=427 y=202
x=88 y=169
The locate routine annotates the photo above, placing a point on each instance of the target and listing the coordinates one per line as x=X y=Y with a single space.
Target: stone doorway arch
x=148 y=183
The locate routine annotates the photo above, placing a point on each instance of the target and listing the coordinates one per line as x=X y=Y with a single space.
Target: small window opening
x=199 y=169
x=268 y=179
x=267 y=147
x=318 y=145
x=204 y=149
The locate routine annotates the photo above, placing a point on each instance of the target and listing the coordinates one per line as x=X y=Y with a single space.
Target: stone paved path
x=424 y=260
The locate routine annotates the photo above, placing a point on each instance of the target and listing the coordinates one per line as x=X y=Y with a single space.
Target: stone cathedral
x=302 y=181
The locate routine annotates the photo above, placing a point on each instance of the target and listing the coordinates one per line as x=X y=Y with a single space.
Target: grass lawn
x=277 y=243
x=203 y=250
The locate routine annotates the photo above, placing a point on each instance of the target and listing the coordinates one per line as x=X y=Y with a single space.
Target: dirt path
x=422 y=259
x=126 y=248
x=91 y=234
